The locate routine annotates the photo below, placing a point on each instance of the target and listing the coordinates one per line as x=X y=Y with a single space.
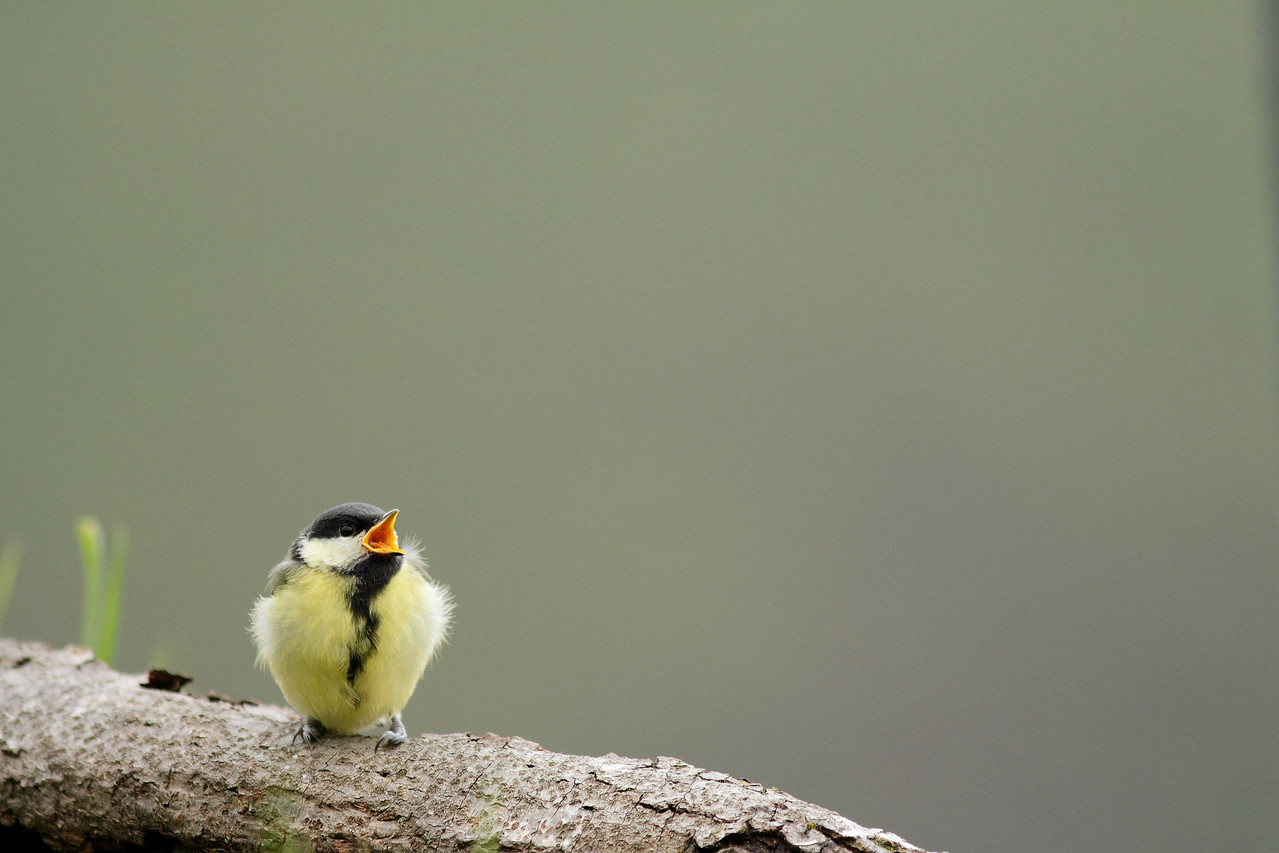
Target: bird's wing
x=281 y=574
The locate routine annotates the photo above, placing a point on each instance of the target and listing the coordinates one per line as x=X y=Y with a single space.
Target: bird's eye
x=346 y=530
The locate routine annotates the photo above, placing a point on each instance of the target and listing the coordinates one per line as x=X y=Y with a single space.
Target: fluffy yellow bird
x=349 y=622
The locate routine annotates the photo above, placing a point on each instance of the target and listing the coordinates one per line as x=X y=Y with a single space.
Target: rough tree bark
x=91 y=759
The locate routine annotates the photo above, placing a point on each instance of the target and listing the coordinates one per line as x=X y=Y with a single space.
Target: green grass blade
x=110 y=610
x=89 y=534
x=9 y=558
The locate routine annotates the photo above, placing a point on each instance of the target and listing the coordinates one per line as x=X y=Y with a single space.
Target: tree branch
x=89 y=757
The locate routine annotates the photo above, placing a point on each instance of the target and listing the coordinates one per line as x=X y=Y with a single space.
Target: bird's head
x=342 y=538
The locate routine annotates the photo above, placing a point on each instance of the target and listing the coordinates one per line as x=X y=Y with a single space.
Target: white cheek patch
x=331 y=553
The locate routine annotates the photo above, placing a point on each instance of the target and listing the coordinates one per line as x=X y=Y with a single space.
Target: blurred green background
x=875 y=401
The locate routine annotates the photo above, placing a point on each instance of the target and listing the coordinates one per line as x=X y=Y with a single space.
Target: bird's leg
x=309 y=730
x=394 y=735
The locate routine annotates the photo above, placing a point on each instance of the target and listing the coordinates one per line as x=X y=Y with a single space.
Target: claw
x=393 y=736
x=309 y=730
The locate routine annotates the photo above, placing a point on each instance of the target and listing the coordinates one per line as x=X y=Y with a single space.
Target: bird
x=349 y=621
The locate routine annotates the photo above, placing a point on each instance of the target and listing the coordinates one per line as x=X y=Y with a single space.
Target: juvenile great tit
x=349 y=622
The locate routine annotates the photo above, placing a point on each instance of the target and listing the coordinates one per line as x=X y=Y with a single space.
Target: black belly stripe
x=369 y=577
x=355 y=665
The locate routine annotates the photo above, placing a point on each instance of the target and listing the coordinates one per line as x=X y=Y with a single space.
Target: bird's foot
x=393 y=736
x=309 y=730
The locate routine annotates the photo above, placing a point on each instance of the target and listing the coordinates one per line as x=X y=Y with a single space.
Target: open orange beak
x=381 y=537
